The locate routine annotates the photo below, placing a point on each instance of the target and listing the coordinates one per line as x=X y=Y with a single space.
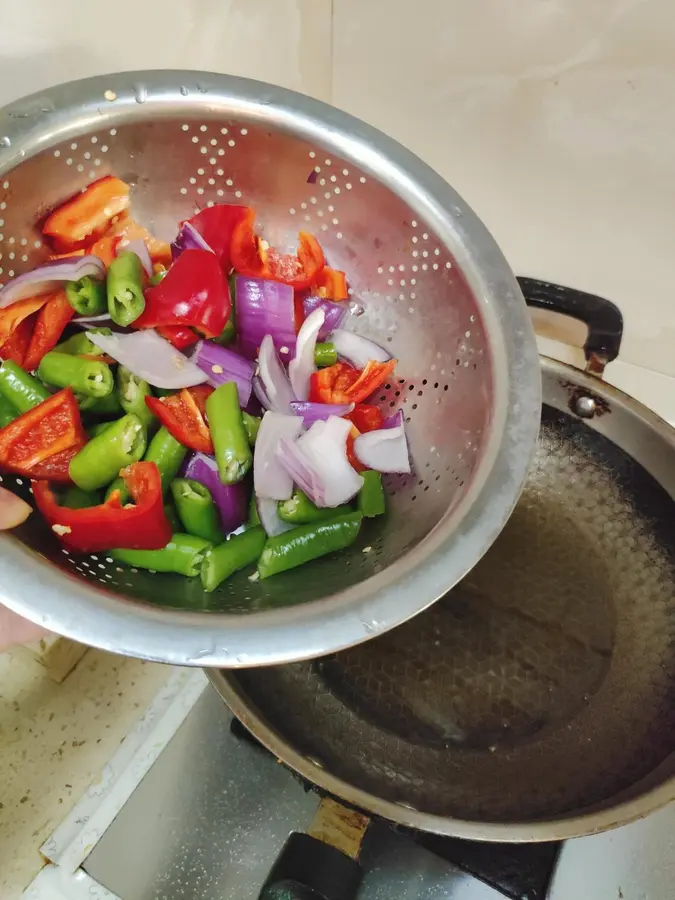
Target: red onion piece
x=231 y=499
x=302 y=365
x=274 y=379
x=13 y=510
x=188 y=238
x=264 y=307
x=261 y=393
x=335 y=314
x=222 y=364
x=385 y=450
x=269 y=517
x=50 y=277
x=356 y=349
x=149 y=356
x=395 y=420
x=139 y=247
x=270 y=479
x=314 y=412
x=318 y=463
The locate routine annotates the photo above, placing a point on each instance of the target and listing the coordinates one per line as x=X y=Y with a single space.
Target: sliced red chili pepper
x=252 y=257
x=343 y=384
x=141 y=526
x=16 y=345
x=12 y=316
x=332 y=284
x=127 y=229
x=194 y=293
x=41 y=442
x=184 y=416
x=178 y=336
x=87 y=216
x=365 y=417
x=216 y=225
x=51 y=322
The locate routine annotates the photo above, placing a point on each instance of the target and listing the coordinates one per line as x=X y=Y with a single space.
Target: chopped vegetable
x=15 y=348
x=167 y=454
x=87 y=296
x=139 y=247
x=325 y=354
x=194 y=294
x=183 y=554
x=184 y=416
x=300 y=510
x=125 y=289
x=268 y=516
x=264 y=308
x=307 y=542
x=87 y=215
x=220 y=364
x=270 y=479
x=318 y=463
x=42 y=441
x=302 y=365
x=132 y=393
x=357 y=350
x=13 y=510
x=20 y=388
x=332 y=284
x=277 y=391
x=232 y=450
x=50 y=325
x=150 y=357
x=343 y=384
x=8 y=412
x=51 y=276
x=252 y=427
x=335 y=313
x=100 y=461
x=75 y=498
x=239 y=551
x=365 y=417
x=231 y=499
x=371 y=500
x=12 y=316
x=94 y=379
x=196 y=509
x=179 y=336
x=385 y=450
x=211 y=229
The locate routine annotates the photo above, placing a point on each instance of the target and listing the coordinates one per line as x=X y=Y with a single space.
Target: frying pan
x=536 y=700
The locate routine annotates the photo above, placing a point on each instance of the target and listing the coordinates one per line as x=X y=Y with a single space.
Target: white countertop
x=555 y=120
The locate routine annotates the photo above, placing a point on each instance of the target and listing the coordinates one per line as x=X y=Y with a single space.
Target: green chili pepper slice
x=168 y=454
x=306 y=542
x=98 y=428
x=299 y=510
x=232 y=449
x=75 y=498
x=132 y=392
x=253 y=517
x=251 y=426
x=101 y=460
x=8 y=412
x=21 y=389
x=87 y=296
x=196 y=509
x=172 y=516
x=85 y=376
x=371 y=500
x=236 y=553
x=183 y=555
x=325 y=354
x=125 y=289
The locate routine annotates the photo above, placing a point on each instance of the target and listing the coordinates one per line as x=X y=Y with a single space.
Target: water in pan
x=406 y=293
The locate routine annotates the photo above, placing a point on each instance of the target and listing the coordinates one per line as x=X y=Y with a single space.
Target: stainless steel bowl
x=431 y=284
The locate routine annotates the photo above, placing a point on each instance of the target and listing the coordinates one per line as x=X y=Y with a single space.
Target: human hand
x=15 y=629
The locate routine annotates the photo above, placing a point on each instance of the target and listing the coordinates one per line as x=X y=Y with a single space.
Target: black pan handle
x=322 y=864
x=602 y=318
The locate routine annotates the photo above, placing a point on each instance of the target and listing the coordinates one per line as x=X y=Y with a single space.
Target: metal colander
x=426 y=281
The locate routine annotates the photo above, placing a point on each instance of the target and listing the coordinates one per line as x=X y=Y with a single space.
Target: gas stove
x=192 y=807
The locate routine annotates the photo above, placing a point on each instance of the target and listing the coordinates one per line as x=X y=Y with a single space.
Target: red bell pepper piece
x=41 y=442
x=141 y=526
x=365 y=417
x=216 y=225
x=51 y=322
x=12 y=316
x=343 y=384
x=252 y=257
x=16 y=346
x=178 y=336
x=127 y=229
x=87 y=216
x=194 y=293
x=184 y=416
x=105 y=248
x=332 y=284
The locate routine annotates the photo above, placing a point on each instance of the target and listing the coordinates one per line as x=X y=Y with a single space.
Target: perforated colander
x=426 y=280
